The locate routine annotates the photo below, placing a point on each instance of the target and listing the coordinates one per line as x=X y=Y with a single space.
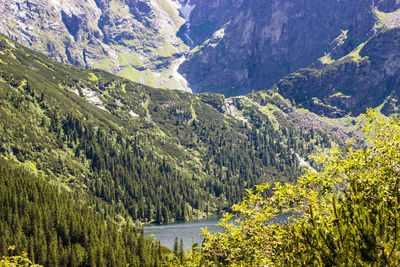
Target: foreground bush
x=17 y=261
x=345 y=214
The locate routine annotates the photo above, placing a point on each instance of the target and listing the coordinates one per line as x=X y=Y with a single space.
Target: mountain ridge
x=236 y=46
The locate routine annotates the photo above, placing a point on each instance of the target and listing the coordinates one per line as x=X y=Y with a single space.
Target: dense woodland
x=55 y=229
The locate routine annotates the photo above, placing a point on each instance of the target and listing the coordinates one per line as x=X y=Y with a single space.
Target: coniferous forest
x=55 y=229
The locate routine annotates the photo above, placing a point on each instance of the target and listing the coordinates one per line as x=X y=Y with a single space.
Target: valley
x=148 y=136
x=116 y=114
x=138 y=154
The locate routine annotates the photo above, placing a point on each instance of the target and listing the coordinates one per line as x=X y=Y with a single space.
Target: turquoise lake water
x=188 y=231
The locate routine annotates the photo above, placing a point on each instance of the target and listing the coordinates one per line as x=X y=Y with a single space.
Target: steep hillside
x=58 y=228
x=262 y=41
x=135 y=39
x=206 y=17
x=159 y=154
x=366 y=77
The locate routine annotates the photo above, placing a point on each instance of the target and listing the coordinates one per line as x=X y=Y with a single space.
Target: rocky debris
x=186 y=10
x=303 y=162
x=230 y=109
x=308 y=121
x=93 y=97
x=119 y=103
x=74 y=90
x=133 y=114
x=95 y=100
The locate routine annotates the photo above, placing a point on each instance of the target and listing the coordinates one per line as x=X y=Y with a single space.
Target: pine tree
x=181 y=251
x=176 y=247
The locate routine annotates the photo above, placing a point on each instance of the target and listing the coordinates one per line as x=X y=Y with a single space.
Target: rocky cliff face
x=133 y=38
x=207 y=17
x=368 y=77
x=261 y=41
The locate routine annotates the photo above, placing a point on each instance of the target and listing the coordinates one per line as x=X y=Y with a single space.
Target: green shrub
x=345 y=215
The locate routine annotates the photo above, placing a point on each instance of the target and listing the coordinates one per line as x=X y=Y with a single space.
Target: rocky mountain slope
x=236 y=46
x=260 y=42
x=135 y=39
x=366 y=77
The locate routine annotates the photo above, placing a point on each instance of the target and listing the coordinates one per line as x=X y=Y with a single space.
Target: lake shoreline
x=153 y=222
x=189 y=231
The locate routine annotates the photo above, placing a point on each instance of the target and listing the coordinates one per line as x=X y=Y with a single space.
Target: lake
x=188 y=231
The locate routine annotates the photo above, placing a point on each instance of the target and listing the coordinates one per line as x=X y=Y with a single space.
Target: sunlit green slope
x=158 y=154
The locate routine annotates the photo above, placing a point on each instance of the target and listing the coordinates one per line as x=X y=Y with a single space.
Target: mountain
x=256 y=43
x=367 y=77
x=227 y=46
x=135 y=39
